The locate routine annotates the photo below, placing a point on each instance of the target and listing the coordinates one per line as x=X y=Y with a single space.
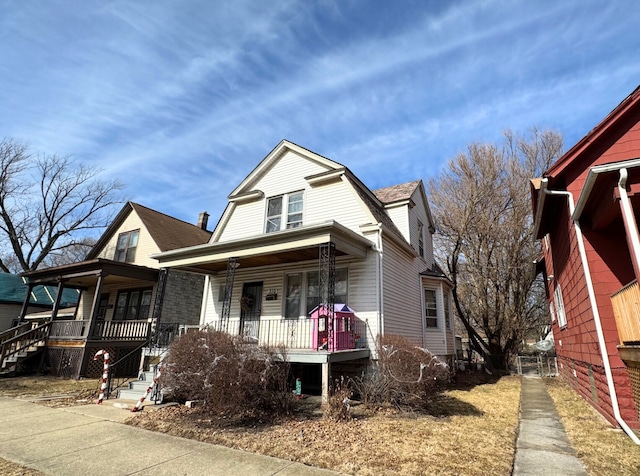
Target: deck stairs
x=137 y=388
x=19 y=344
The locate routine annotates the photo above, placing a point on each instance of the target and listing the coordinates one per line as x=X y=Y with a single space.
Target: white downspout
x=596 y=318
x=380 y=299
x=629 y=220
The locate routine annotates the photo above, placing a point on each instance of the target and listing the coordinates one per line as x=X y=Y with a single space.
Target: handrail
x=22 y=341
x=14 y=331
x=152 y=338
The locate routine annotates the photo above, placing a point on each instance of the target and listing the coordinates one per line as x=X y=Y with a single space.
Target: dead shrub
x=404 y=375
x=228 y=375
x=338 y=406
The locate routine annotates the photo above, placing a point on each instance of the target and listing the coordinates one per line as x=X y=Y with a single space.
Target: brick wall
x=182 y=298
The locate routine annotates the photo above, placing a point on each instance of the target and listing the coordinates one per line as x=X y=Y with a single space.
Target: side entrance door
x=250 y=309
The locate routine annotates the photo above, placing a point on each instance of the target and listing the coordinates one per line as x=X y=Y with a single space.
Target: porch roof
x=598 y=201
x=84 y=274
x=287 y=246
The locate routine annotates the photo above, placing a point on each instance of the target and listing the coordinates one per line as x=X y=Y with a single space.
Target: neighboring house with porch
x=301 y=231
x=586 y=208
x=123 y=295
x=13 y=290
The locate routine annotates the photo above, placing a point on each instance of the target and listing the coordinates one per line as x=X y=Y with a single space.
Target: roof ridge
x=135 y=204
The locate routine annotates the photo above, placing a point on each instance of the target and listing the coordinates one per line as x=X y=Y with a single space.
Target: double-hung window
x=430 y=308
x=126 y=246
x=421 y=239
x=292 y=203
x=132 y=305
x=303 y=292
x=557 y=296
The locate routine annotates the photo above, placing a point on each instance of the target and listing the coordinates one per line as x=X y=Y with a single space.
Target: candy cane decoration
x=105 y=372
x=147 y=392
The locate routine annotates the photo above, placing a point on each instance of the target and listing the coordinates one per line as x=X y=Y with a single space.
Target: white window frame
x=342 y=298
x=287 y=218
x=425 y=309
x=420 y=239
x=560 y=312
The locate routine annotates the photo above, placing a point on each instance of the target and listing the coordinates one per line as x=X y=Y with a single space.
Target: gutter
x=594 y=309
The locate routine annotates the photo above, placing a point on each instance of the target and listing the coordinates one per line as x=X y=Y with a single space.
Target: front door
x=250 y=309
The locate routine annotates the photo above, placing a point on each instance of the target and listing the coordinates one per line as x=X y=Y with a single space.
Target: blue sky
x=181 y=99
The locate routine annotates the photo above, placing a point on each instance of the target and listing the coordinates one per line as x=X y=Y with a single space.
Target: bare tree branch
x=48 y=204
x=481 y=206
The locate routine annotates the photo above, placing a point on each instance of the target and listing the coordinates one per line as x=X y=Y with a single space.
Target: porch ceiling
x=289 y=246
x=85 y=274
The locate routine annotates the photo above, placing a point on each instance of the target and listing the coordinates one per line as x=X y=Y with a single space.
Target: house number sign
x=272 y=295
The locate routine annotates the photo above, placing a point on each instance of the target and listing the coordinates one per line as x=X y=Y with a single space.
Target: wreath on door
x=246 y=303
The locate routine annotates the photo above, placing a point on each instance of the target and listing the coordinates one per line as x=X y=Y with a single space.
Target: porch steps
x=137 y=388
x=11 y=362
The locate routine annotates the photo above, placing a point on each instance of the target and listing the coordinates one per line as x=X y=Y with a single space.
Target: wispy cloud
x=188 y=97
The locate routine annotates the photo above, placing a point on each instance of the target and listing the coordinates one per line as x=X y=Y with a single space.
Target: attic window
x=293 y=202
x=421 y=239
x=126 y=246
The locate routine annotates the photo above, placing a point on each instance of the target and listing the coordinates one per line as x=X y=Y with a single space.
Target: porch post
x=56 y=303
x=25 y=303
x=328 y=288
x=232 y=264
x=326 y=375
x=94 y=306
x=630 y=225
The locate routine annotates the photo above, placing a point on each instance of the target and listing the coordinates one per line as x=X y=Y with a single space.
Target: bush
x=404 y=375
x=228 y=375
x=338 y=406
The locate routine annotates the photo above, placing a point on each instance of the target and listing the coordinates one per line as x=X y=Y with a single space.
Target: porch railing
x=14 y=331
x=297 y=333
x=121 y=330
x=69 y=329
x=626 y=309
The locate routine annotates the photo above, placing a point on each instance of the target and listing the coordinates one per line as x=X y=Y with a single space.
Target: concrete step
x=134 y=394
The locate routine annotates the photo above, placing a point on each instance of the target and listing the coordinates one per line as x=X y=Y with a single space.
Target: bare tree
x=482 y=208
x=49 y=205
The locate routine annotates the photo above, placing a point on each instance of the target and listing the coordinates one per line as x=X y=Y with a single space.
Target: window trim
x=127 y=305
x=424 y=312
x=285 y=216
x=560 y=311
x=303 y=303
x=128 y=247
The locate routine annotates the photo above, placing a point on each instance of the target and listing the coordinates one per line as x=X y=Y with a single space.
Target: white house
x=302 y=230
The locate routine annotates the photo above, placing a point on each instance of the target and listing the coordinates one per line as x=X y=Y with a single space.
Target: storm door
x=250 y=309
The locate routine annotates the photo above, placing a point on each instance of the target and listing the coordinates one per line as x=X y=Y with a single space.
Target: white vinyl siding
x=402 y=294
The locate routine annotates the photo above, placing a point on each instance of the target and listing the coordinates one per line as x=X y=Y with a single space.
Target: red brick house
x=586 y=207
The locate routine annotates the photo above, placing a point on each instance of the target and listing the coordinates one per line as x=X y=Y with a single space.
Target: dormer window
x=126 y=246
x=293 y=203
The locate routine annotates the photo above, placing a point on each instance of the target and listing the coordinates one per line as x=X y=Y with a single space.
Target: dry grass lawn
x=50 y=391
x=602 y=449
x=7 y=468
x=468 y=431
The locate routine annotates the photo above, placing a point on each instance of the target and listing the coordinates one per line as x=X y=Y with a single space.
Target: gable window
x=303 y=292
x=132 y=305
x=293 y=203
x=430 y=308
x=126 y=246
x=560 y=314
x=294 y=215
x=421 y=239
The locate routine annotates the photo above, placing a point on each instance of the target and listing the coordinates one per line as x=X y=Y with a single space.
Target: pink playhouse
x=344 y=328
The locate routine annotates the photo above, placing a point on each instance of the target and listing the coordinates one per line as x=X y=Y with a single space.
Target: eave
x=287 y=246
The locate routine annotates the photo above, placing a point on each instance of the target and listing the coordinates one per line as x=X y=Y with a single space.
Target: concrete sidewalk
x=90 y=439
x=542 y=446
